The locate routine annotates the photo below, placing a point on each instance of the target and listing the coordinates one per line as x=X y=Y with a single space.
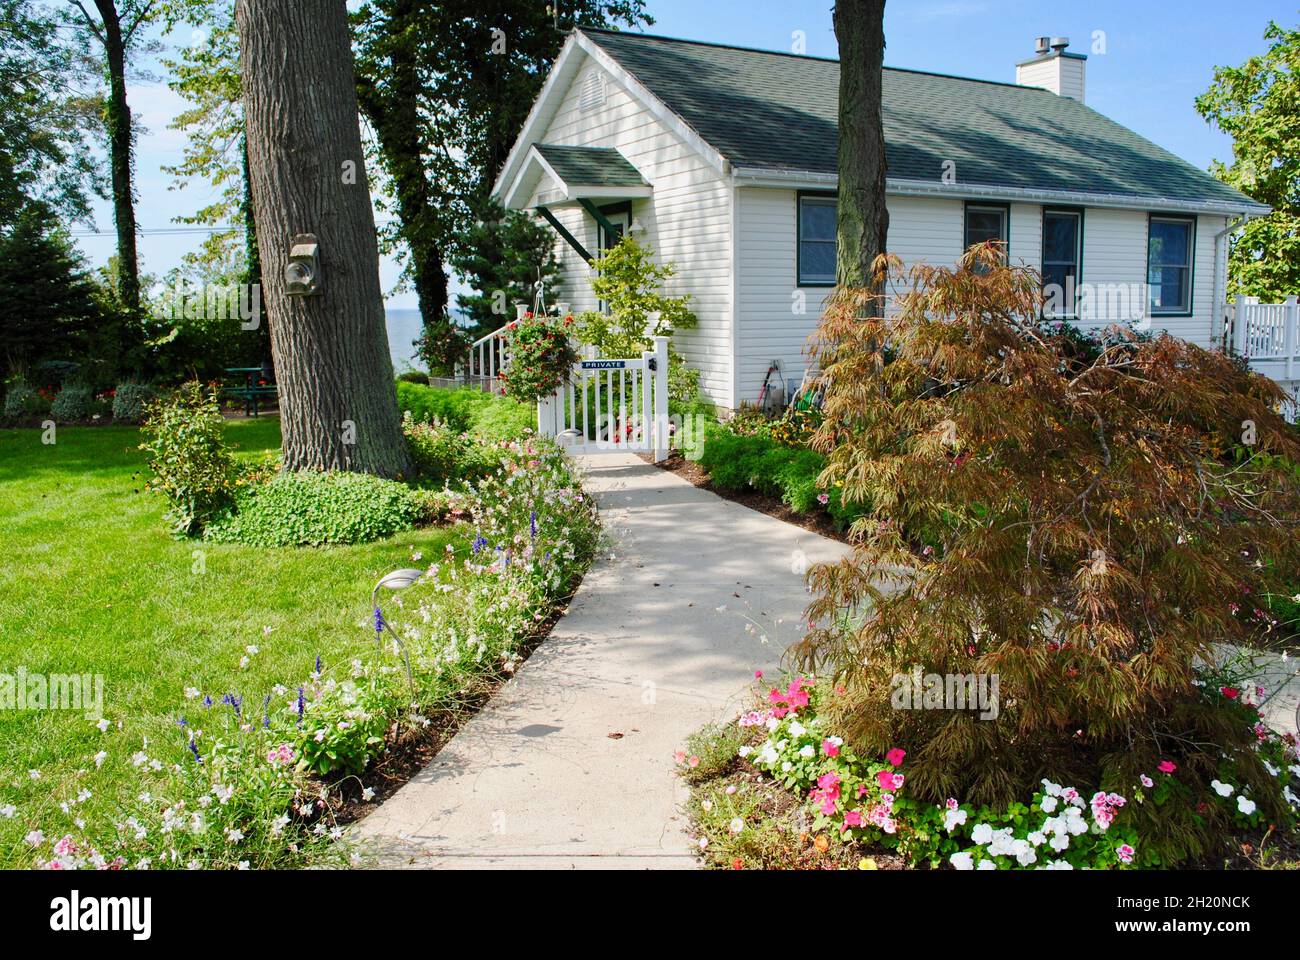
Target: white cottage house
x=723 y=160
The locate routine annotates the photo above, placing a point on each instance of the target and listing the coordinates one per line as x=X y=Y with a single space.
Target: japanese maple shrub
x=1075 y=522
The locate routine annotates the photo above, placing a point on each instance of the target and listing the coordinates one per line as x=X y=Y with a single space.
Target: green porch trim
x=569 y=238
x=599 y=217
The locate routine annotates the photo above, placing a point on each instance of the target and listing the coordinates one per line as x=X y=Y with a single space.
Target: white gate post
x=1292 y=317
x=645 y=420
x=1239 y=324
x=661 y=398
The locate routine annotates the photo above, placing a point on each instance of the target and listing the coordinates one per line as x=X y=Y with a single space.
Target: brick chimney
x=1054 y=68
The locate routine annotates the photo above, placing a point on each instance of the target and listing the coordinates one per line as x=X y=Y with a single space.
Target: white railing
x=1267 y=331
x=488 y=356
x=1268 y=336
x=612 y=405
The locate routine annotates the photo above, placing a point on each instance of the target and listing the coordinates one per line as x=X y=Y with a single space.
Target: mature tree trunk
x=863 y=225
x=120 y=144
x=392 y=105
x=307 y=173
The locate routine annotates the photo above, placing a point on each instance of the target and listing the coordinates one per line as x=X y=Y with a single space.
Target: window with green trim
x=1062 y=261
x=1169 y=264
x=817 y=222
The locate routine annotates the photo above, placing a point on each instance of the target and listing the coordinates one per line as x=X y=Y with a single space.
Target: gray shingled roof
x=594 y=166
x=778 y=111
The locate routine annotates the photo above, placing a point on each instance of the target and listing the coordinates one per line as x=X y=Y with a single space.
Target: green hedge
x=755 y=462
x=482 y=414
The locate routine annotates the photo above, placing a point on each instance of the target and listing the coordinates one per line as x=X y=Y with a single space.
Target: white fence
x=1267 y=331
x=1268 y=336
x=612 y=405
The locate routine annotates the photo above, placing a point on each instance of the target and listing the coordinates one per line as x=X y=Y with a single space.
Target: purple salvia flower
x=194 y=749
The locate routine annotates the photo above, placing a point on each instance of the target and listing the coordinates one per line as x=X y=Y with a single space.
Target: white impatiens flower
x=1246 y=806
x=1051 y=789
x=1058 y=865
x=961 y=861
x=745 y=751
x=1024 y=852
x=1037 y=838
x=807 y=751
x=982 y=834
x=1049 y=804
x=1222 y=789
x=797 y=729
x=952 y=819
x=987 y=865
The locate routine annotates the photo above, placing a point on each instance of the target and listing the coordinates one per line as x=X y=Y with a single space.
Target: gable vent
x=593 y=91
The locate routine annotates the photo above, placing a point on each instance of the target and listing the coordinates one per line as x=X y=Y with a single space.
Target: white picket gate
x=612 y=405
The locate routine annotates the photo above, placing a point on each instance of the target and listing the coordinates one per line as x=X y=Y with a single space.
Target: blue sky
x=1158 y=57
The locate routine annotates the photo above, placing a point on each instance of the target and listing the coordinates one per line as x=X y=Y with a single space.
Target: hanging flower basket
x=540 y=356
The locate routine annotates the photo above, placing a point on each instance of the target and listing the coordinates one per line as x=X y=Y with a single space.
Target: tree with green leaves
x=44 y=116
x=504 y=257
x=117 y=32
x=446 y=87
x=206 y=74
x=1258 y=105
x=50 y=310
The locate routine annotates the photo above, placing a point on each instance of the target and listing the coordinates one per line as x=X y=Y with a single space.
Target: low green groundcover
x=308 y=508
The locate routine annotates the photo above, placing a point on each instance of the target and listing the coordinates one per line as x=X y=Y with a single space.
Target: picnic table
x=250 y=385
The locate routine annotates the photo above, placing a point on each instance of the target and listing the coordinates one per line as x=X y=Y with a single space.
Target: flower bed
x=861 y=810
x=257 y=778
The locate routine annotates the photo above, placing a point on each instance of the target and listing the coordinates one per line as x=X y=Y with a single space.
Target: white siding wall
x=930 y=230
x=687 y=221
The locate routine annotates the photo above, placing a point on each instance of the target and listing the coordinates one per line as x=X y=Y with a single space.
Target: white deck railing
x=1267 y=331
x=488 y=356
x=1268 y=336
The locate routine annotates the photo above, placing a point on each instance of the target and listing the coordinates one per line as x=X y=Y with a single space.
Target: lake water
x=403 y=328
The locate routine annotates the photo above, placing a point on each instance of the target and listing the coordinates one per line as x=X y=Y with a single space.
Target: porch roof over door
x=555 y=175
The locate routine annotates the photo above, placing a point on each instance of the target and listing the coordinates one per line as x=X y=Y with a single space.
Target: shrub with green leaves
x=446 y=456
x=130 y=401
x=72 y=404
x=191 y=464
x=752 y=460
x=484 y=415
x=310 y=508
x=22 y=402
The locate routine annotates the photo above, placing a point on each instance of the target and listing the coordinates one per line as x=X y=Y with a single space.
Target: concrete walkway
x=571 y=764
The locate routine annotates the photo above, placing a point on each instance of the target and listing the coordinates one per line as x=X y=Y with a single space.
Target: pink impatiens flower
x=830 y=749
x=853 y=818
x=895 y=757
x=1167 y=766
x=1125 y=853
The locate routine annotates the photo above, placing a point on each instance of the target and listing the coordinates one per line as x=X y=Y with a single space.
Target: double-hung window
x=985 y=222
x=1170 y=242
x=1062 y=261
x=816 y=255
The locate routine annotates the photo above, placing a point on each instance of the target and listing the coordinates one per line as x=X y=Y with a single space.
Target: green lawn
x=90 y=582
